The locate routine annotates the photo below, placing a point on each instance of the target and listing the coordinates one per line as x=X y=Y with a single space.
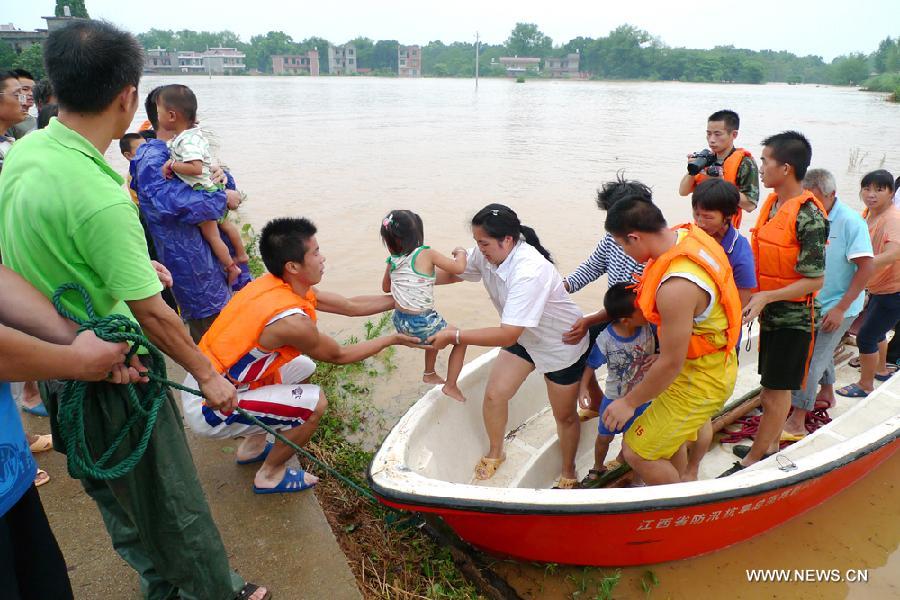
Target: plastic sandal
x=486 y=467
x=38 y=410
x=592 y=479
x=42 y=444
x=566 y=484
x=258 y=458
x=586 y=414
x=41 y=477
x=852 y=391
x=248 y=590
x=736 y=467
x=292 y=482
x=792 y=437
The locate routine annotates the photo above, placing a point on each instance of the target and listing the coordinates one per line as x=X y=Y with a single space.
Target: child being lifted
x=191 y=162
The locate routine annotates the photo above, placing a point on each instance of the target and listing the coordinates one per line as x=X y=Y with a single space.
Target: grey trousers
x=821 y=365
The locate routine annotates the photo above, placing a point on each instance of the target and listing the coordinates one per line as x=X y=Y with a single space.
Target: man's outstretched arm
x=357 y=306
x=301 y=333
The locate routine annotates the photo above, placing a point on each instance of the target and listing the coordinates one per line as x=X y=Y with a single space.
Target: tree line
x=625 y=53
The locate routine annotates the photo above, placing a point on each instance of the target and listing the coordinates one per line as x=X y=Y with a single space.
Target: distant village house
x=409 y=61
x=296 y=64
x=520 y=65
x=566 y=67
x=342 y=59
x=21 y=40
x=214 y=61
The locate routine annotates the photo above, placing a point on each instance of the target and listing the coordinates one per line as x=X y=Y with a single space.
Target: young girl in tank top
x=409 y=277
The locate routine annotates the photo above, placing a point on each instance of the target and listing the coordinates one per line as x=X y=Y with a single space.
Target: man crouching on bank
x=264 y=341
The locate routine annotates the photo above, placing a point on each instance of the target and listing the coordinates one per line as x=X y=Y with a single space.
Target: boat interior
x=445 y=438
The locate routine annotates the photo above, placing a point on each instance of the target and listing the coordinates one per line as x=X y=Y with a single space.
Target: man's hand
x=233 y=199
x=755 y=304
x=219 y=394
x=577 y=332
x=162 y=272
x=217 y=175
x=409 y=341
x=96 y=360
x=441 y=339
x=833 y=319
x=167 y=171
x=617 y=414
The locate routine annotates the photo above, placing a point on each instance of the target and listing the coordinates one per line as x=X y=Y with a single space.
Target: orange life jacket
x=237 y=329
x=775 y=244
x=729 y=173
x=699 y=247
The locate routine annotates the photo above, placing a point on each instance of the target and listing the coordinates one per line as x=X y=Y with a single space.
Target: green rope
x=145 y=407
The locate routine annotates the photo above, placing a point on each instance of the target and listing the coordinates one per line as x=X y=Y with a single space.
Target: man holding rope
x=64 y=217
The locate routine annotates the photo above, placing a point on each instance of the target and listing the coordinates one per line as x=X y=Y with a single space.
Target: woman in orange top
x=883 y=311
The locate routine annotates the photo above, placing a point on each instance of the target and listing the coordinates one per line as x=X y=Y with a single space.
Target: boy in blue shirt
x=715 y=202
x=627 y=346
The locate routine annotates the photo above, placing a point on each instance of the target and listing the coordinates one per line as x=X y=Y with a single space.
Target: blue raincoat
x=173 y=212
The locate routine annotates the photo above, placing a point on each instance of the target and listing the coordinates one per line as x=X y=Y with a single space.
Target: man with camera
x=723 y=160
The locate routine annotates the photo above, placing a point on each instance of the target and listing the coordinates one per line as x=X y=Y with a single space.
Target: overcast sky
x=826 y=28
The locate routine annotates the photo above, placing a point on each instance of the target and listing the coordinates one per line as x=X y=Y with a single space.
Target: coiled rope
x=145 y=404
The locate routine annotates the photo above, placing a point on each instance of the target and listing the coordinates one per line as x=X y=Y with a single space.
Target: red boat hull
x=648 y=536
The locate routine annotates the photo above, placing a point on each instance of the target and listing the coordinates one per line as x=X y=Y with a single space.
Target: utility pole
x=477 y=56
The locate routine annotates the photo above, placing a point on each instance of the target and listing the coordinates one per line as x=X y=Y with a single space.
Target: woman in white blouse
x=535 y=311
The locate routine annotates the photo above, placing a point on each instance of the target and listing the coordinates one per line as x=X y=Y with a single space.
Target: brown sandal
x=586 y=414
x=567 y=484
x=486 y=467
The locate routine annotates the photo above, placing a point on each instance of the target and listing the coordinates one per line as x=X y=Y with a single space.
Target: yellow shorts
x=673 y=418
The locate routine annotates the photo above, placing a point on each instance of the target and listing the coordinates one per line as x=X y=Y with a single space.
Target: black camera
x=701 y=160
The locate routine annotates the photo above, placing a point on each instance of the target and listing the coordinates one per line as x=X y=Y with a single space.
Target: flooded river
x=345 y=151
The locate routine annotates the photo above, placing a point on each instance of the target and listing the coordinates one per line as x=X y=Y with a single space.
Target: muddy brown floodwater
x=345 y=151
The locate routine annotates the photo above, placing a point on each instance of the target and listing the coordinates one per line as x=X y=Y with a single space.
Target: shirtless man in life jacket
x=688 y=291
x=264 y=341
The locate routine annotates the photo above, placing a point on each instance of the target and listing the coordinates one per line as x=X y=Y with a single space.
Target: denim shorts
x=421 y=325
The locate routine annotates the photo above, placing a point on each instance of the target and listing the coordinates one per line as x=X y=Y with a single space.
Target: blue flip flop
x=292 y=482
x=852 y=391
x=892 y=370
x=39 y=410
x=258 y=458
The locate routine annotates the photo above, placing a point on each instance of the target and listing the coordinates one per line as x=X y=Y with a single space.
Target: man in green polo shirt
x=65 y=217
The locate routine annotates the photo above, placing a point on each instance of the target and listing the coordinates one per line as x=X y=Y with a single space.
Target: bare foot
x=454 y=392
x=267 y=478
x=241 y=257
x=690 y=476
x=250 y=447
x=828 y=399
x=31 y=395
x=433 y=378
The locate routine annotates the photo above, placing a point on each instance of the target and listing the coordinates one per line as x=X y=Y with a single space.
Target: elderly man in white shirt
x=535 y=311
